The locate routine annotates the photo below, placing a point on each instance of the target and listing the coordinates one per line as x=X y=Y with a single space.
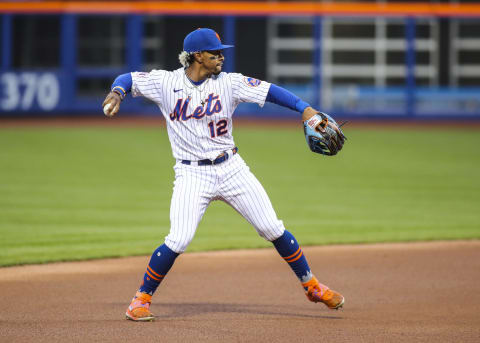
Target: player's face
x=213 y=61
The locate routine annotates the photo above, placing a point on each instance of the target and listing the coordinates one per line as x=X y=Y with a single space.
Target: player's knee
x=271 y=232
x=178 y=243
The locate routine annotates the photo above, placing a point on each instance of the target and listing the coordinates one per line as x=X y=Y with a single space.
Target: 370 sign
x=29 y=91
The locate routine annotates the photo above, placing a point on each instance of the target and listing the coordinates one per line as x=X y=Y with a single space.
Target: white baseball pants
x=231 y=181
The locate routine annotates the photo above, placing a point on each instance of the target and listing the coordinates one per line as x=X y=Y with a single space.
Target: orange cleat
x=139 y=309
x=317 y=292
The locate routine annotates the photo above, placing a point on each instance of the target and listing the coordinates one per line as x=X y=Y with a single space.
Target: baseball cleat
x=317 y=292
x=139 y=309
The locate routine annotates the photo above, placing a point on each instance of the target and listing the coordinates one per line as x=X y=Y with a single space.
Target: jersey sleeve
x=249 y=89
x=147 y=84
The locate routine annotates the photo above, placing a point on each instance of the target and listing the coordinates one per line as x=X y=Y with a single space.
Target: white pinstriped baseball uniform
x=204 y=131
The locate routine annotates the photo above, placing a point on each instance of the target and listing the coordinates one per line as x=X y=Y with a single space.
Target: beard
x=217 y=71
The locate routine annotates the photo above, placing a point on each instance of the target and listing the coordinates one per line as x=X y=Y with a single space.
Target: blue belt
x=220 y=159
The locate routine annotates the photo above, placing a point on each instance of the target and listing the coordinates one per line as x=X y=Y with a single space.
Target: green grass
x=80 y=193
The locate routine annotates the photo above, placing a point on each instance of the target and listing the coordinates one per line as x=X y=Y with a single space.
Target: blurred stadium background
x=381 y=59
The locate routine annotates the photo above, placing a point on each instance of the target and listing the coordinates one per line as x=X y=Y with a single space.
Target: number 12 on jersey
x=220 y=126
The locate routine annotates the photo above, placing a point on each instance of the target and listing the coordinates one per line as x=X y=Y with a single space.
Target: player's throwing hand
x=111 y=104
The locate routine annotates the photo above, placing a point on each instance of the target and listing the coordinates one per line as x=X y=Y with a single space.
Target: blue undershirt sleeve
x=285 y=98
x=123 y=83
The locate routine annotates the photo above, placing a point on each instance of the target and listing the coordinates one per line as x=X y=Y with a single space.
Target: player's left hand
x=323 y=134
x=111 y=104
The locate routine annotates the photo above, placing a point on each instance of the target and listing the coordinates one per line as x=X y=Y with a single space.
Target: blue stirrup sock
x=287 y=246
x=160 y=263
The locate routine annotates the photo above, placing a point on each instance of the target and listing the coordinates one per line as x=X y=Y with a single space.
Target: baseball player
x=198 y=101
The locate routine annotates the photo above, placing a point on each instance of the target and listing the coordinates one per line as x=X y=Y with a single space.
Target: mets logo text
x=212 y=106
x=252 y=82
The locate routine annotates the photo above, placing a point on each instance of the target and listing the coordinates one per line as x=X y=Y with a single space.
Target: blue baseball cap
x=203 y=39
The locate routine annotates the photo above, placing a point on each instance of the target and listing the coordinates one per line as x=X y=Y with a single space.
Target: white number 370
x=19 y=90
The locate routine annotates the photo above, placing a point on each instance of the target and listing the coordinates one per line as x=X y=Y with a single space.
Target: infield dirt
x=418 y=292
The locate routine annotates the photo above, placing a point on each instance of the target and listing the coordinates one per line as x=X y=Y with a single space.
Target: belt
x=220 y=159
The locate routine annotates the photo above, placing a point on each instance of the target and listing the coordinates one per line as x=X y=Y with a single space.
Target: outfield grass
x=79 y=193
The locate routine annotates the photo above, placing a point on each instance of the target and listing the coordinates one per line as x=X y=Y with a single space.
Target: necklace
x=193 y=87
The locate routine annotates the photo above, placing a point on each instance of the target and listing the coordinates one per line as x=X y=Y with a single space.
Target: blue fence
x=26 y=92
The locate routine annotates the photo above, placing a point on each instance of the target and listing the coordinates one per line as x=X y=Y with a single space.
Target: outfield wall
x=384 y=60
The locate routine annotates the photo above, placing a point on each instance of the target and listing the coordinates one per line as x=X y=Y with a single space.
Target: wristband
x=120 y=91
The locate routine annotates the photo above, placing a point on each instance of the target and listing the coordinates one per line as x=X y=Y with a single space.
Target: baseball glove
x=323 y=134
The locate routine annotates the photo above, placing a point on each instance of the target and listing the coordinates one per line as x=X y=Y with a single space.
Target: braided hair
x=186 y=58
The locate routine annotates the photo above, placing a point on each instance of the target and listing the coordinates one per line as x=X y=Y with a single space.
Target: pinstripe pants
x=232 y=182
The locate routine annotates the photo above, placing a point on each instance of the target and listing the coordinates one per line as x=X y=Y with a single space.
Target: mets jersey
x=199 y=117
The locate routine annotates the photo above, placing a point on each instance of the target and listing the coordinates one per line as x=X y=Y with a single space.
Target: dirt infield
x=419 y=292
